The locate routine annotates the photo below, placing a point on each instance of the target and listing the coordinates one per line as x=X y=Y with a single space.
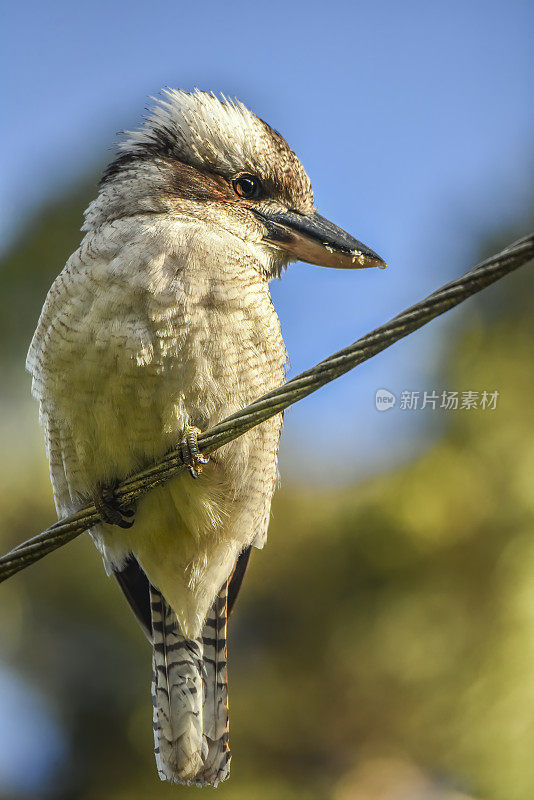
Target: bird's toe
x=110 y=510
x=193 y=459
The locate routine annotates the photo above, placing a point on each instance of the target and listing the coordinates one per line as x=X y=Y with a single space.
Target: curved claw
x=191 y=455
x=109 y=509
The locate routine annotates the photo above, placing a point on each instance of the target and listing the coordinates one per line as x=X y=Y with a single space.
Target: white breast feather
x=139 y=337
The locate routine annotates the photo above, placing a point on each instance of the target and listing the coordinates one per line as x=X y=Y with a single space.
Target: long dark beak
x=314 y=239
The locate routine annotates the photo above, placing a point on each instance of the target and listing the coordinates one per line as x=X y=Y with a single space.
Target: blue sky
x=26 y=725
x=414 y=120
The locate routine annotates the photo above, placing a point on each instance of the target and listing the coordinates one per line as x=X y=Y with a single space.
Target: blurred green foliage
x=31 y=264
x=383 y=645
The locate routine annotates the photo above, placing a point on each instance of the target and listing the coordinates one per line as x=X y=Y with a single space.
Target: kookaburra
x=160 y=324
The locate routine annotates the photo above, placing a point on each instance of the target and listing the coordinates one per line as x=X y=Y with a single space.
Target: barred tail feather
x=190 y=697
x=215 y=720
x=177 y=696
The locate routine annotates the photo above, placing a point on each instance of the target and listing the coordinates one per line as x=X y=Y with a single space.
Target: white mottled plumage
x=142 y=334
x=162 y=319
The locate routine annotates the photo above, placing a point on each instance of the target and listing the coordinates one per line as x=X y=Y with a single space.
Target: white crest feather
x=201 y=129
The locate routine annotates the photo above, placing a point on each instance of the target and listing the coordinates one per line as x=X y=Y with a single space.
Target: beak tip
x=368 y=258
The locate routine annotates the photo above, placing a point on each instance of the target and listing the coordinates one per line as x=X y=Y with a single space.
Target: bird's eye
x=246 y=186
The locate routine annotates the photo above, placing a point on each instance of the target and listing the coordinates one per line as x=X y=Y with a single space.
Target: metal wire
x=445 y=298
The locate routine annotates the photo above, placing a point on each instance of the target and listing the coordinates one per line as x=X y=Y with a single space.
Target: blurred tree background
x=383 y=645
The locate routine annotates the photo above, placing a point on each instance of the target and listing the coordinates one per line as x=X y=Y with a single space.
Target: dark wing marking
x=237 y=578
x=136 y=587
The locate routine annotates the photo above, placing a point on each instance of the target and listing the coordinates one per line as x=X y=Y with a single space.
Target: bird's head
x=217 y=162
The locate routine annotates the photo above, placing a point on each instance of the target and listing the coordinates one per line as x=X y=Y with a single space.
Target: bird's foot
x=110 y=510
x=191 y=455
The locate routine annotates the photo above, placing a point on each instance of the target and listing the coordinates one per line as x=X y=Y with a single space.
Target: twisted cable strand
x=133 y=487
